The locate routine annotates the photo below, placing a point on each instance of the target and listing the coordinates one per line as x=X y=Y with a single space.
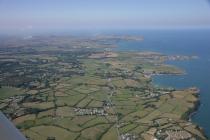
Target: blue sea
x=181 y=42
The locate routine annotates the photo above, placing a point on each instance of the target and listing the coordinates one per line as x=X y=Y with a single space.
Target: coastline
x=192 y=111
x=197 y=69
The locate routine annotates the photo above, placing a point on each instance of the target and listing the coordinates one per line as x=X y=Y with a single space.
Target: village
x=93 y=111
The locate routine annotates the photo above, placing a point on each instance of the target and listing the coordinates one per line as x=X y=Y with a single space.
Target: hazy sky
x=21 y=15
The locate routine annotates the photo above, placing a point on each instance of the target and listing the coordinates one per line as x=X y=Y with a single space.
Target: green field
x=86 y=94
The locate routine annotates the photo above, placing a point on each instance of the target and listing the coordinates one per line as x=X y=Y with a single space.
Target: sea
x=189 y=42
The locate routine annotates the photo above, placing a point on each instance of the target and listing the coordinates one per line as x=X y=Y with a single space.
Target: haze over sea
x=181 y=42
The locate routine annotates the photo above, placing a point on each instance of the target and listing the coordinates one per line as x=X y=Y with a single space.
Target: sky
x=30 y=15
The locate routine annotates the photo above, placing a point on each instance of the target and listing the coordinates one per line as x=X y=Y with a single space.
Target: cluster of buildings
x=90 y=111
x=150 y=94
x=181 y=57
x=128 y=136
x=178 y=135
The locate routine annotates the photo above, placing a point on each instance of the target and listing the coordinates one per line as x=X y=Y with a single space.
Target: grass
x=97 y=120
x=44 y=121
x=33 y=135
x=64 y=111
x=86 y=89
x=95 y=104
x=83 y=103
x=140 y=129
x=46 y=113
x=99 y=95
x=95 y=132
x=111 y=134
x=52 y=131
x=81 y=120
x=38 y=105
x=119 y=83
x=135 y=114
x=127 y=128
x=131 y=83
x=166 y=108
x=70 y=100
x=6 y=92
x=154 y=114
x=24 y=118
x=68 y=124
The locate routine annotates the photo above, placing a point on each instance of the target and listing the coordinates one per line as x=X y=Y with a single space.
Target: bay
x=180 y=42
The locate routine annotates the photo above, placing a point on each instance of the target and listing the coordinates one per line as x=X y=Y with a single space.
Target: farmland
x=64 y=93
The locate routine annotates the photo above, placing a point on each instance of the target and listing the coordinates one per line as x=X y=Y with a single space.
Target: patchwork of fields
x=75 y=96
